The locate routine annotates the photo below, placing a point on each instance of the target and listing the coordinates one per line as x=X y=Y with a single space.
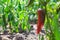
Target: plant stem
x=38 y=36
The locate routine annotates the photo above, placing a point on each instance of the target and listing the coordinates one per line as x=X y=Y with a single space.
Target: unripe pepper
x=41 y=19
x=4 y=21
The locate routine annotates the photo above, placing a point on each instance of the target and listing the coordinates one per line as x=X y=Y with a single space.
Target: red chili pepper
x=41 y=19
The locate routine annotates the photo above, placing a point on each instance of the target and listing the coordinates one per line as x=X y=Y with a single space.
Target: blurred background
x=20 y=16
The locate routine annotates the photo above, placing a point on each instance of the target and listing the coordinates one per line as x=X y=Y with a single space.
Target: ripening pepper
x=41 y=19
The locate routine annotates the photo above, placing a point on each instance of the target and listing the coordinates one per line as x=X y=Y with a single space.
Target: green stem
x=38 y=36
x=48 y=23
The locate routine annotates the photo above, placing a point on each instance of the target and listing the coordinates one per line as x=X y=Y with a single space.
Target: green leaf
x=30 y=2
x=56 y=30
